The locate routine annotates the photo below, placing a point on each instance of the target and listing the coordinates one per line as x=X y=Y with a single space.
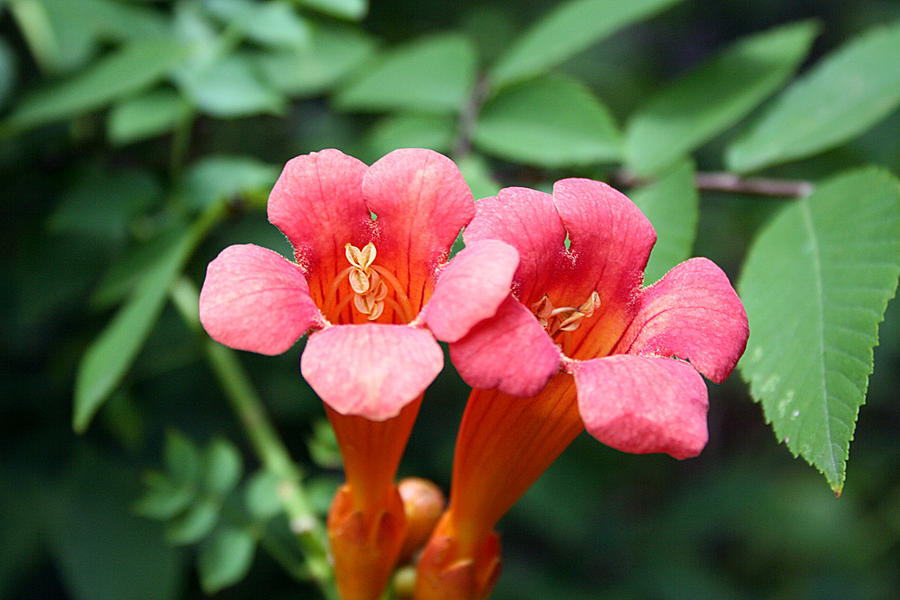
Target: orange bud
x=364 y=545
x=423 y=503
x=449 y=571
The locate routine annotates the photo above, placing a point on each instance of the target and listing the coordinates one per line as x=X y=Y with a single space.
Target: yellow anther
x=359 y=280
x=376 y=311
x=564 y=318
x=370 y=284
x=542 y=308
x=360 y=258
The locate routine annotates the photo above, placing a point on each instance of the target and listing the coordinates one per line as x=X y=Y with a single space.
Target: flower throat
x=370 y=287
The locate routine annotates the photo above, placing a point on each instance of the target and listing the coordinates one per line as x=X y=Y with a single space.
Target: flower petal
x=421 y=201
x=527 y=220
x=371 y=370
x=253 y=299
x=610 y=238
x=318 y=204
x=470 y=288
x=641 y=405
x=692 y=313
x=510 y=352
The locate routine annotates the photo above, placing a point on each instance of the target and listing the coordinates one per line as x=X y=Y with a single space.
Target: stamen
x=359 y=281
x=564 y=318
x=369 y=286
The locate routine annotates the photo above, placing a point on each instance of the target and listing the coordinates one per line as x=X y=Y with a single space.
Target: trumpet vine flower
x=374 y=293
x=579 y=344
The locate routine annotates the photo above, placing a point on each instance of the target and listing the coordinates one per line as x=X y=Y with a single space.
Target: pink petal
x=253 y=299
x=371 y=370
x=421 y=201
x=642 y=405
x=527 y=220
x=610 y=238
x=510 y=352
x=318 y=204
x=692 y=313
x=470 y=288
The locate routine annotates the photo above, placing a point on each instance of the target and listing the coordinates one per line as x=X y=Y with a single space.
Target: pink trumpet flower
x=374 y=293
x=579 y=344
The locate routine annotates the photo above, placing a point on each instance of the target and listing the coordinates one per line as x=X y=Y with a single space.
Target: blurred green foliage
x=140 y=137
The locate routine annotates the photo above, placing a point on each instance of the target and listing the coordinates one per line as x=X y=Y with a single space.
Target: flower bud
x=423 y=503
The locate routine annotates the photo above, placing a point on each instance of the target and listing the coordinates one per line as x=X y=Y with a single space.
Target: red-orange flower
x=579 y=344
x=375 y=294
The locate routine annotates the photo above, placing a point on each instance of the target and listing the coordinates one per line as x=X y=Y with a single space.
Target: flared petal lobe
x=642 y=405
x=470 y=288
x=318 y=204
x=527 y=220
x=372 y=370
x=510 y=352
x=253 y=299
x=610 y=238
x=692 y=313
x=421 y=201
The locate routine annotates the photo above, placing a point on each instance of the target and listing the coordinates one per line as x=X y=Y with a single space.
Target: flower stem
x=304 y=522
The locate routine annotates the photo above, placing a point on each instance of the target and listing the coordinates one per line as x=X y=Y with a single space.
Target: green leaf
x=261 y=496
x=553 y=121
x=225 y=558
x=193 y=525
x=148 y=115
x=714 y=96
x=570 y=28
x=124 y=71
x=329 y=57
x=163 y=498
x=64 y=35
x=434 y=75
x=815 y=286
x=353 y=10
x=230 y=87
x=7 y=72
x=101 y=204
x=223 y=467
x=672 y=205
x=182 y=458
x=125 y=274
x=270 y=23
x=107 y=359
x=219 y=177
x=411 y=131
x=477 y=173
x=842 y=96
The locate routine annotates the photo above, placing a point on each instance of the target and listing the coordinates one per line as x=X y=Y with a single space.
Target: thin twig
x=468 y=116
x=729 y=182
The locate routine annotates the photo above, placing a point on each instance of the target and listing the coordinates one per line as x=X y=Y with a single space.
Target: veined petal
x=371 y=370
x=510 y=352
x=253 y=299
x=641 y=405
x=692 y=313
x=318 y=204
x=470 y=288
x=421 y=201
x=610 y=238
x=527 y=220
